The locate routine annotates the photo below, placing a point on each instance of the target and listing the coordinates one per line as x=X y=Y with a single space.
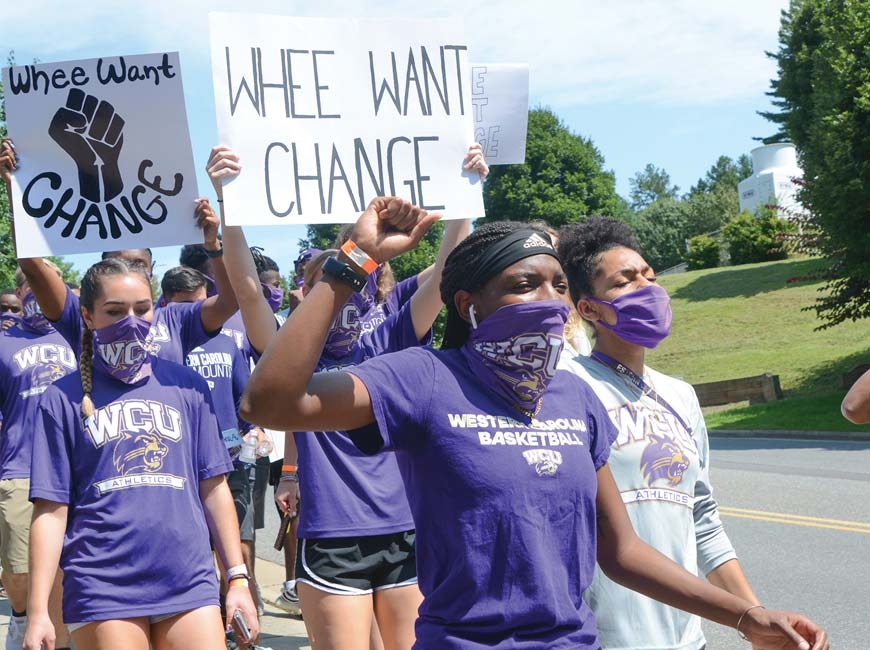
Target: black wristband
x=344 y=273
x=214 y=253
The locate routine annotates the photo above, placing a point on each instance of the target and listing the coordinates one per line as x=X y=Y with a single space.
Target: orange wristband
x=288 y=468
x=359 y=257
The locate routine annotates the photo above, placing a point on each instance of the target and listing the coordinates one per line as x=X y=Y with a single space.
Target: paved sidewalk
x=855 y=436
x=279 y=630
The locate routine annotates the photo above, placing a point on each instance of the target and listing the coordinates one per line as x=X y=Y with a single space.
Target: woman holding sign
x=504 y=457
x=356 y=550
x=128 y=464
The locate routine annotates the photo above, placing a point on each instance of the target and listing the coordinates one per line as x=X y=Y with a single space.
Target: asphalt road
x=798 y=513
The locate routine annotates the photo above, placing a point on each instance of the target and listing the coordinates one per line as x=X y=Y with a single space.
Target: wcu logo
x=120 y=354
x=527 y=361
x=134 y=416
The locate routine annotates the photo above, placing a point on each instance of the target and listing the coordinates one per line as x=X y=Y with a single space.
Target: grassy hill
x=747 y=320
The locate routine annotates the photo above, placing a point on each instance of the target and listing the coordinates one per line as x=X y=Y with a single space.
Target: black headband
x=514 y=247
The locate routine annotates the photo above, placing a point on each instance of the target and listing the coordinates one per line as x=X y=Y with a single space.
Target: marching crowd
x=511 y=486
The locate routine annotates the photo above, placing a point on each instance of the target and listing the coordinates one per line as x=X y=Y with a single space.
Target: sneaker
x=15 y=635
x=287 y=600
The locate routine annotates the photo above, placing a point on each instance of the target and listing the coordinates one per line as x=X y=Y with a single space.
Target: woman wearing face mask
x=660 y=456
x=128 y=463
x=356 y=552
x=504 y=457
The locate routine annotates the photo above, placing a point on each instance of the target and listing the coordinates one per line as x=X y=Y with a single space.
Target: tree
x=756 y=238
x=651 y=185
x=714 y=200
x=661 y=230
x=823 y=96
x=562 y=180
x=703 y=253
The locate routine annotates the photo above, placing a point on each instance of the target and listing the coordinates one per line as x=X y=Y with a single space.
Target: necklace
x=531 y=414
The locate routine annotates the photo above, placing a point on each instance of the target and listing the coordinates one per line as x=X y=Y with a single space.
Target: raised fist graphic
x=89 y=130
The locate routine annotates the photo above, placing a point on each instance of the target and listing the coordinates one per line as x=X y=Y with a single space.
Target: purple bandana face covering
x=275 y=295
x=516 y=348
x=643 y=317
x=32 y=315
x=121 y=349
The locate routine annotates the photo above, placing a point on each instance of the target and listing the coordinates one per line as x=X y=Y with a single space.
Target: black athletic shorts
x=353 y=566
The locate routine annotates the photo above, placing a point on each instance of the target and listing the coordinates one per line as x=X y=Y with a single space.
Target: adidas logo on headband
x=536 y=241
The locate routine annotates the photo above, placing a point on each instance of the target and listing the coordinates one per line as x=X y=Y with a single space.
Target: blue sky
x=675 y=83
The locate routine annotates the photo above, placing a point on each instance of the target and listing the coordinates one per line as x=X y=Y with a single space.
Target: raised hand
x=8 y=160
x=223 y=164
x=391 y=226
x=207 y=220
x=90 y=131
x=474 y=160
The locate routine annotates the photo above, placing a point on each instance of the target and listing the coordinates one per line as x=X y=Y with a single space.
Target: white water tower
x=774 y=168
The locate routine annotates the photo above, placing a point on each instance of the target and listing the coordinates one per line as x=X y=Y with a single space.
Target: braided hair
x=582 y=244
x=90 y=290
x=456 y=273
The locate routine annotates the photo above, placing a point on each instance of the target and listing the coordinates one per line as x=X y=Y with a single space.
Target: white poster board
x=500 y=96
x=105 y=157
x=326 y=114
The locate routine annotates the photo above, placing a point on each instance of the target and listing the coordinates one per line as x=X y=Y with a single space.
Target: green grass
x=746 y=320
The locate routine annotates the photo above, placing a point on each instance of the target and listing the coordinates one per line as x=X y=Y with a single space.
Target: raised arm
x=215 y=310
x=856 y=404
x=626 y=559
x=284 y=393
x=260 y=325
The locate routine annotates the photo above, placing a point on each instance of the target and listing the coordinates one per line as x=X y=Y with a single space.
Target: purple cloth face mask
x=643 y=317
x=121 y=349
x=33 y=317
x=275 y=297
x=516 y=348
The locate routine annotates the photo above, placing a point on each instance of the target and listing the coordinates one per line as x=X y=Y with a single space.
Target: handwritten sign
x=500 y=96
x=326 y=114
x=105 y=155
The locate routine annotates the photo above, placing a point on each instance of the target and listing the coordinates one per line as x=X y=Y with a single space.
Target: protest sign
x=500 y=96
x=326 y=114
x=105 y=158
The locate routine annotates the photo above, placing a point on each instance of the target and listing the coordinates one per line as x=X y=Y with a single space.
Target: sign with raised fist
x=105 y=158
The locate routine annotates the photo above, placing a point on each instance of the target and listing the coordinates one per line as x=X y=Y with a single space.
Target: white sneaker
x=15 y=635
x=287 y=600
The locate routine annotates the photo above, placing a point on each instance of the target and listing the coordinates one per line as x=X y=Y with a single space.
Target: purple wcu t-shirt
x=346 y=492
x=395 y=300
x=176 y=330
x=29 y=363
x=136 y=541
x=504 y=509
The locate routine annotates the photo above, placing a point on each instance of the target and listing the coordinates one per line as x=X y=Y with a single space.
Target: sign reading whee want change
x=105 y=158
x=326 y=114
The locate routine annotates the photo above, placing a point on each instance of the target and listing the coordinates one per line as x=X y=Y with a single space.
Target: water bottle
x=249 y=450
x=264 y=448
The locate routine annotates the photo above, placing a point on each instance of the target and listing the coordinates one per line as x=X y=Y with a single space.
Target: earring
x=472 y=317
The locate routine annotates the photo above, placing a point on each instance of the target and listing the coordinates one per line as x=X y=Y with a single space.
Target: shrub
x=703 y=253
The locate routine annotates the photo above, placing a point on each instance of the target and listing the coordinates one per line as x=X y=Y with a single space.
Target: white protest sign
x=500 y=96
x=326 y=114
x=105 y=158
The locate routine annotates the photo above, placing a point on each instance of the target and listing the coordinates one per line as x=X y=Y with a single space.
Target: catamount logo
x=142 y=432
x=527 y=362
